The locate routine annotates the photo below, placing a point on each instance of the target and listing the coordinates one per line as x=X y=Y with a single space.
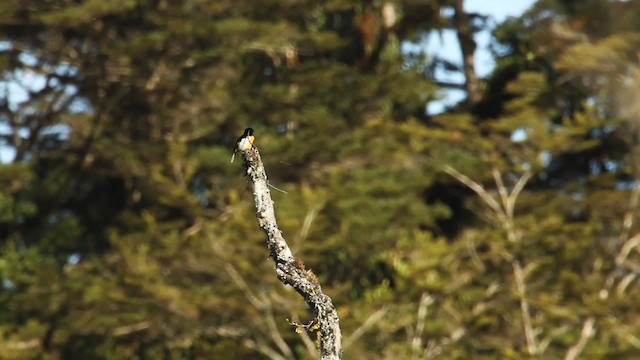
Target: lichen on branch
x=289 y=270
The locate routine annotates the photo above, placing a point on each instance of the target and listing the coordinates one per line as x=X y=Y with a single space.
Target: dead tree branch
x=289 y=270
x=588 y=330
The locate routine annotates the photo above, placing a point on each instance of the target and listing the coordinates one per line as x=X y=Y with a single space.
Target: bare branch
x=450 y=84
x=511 y=202
x=504 y=213
x=628 y=244
x=625 y=282
x=553 y=334
x=502 y=190
x=425 y=301
x=304 y=334
x=530 y=335
x=371 y=320
x=588 y=330
x=312 y=213
x=22 y=345
x=624 y=332
x=626 y=248
x=627 y=222
x=473 y=253
x=265 y=350
x=240 y=283
x=289 y=270
x=128 y=329
x=275 y=333
x=477 y=188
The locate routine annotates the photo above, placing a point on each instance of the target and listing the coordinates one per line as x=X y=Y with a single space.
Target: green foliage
x=126 y=233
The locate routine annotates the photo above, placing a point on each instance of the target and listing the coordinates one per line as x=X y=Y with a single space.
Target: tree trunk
x=462 y=24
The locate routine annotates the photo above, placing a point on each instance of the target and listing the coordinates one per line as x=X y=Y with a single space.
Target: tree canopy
x=504 y=227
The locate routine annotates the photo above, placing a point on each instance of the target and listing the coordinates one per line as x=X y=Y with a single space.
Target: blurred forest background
x=502 y=228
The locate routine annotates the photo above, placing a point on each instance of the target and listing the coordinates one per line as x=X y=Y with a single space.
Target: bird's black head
x=248 y=132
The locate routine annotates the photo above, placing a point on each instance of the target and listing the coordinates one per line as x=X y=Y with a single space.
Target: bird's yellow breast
x=246 y=143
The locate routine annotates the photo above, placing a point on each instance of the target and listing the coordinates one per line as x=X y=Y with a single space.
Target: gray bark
x=289 y=270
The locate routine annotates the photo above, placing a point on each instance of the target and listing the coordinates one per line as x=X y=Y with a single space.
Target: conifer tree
x=504 y=227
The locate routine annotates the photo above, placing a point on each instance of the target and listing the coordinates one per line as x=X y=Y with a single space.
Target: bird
x=244 y=142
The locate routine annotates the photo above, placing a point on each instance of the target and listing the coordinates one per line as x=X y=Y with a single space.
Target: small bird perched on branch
x=244 y=142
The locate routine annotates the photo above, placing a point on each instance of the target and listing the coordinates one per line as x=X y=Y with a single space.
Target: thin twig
x=530 y=335
x=274 y=332
x=240 y=283
x=311 y=215
x=504 y=213
x=276 y=188
x=128 y=329
x=625 y=282
x=484 y=195
x=308 y=343
x=416 y=343
x=362 y=329
x=264 y=306
x=502 y=190
x=627 y=222
x=588 y=330
x=626 y=248
x=515 y=192
x=265 y=350
x=623 y=331
x=628 y=244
